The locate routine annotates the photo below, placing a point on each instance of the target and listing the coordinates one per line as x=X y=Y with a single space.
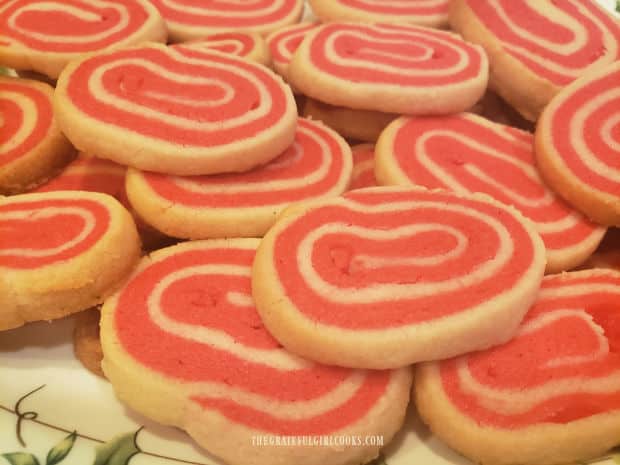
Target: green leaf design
x=21 y=458
x=60 y=450
x=4 y=71
x=117 y=451
x=618 y=6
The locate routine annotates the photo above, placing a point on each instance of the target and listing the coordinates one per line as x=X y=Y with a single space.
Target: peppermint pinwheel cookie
x=61 y=252
x=317 y=165
x=195 y=19
x=363 y=166
x=32 y=147
x=536 y=48
x=467 y=153
x=247 y=45
x=390 y=68
x=389 y=276
x=361 y=125
x=184 y=345
x=45 y=35
x=578 y=145
x=431 y=13
x=284 y=42
x=549 y=396
x=176 y=110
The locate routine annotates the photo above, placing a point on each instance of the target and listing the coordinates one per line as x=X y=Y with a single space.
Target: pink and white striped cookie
x=61 y=252
x=363 y=166
x=249 y=45
x=430 y=13
x=467 y=153
x=182 y=112
x=31 y=144
x=389 y=68
x=537 y=47
x=284 y=42
x=389 y=276
x=317 y=165
x=578 y=144
x=45 y=35
x=549 y=396
x=184 y=345
x=195 y=19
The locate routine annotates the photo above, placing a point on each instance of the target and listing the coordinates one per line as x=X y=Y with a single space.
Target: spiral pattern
x=25 y=118
x=393 y=54
x=191 y=105
x=284 y=42
x=561 y=366
x=242 y=44
x=40 y=230
x=579 y=137
x=420 y=12
x=193 y=303
x=388 y=257
x=187 y=19
x=467 y=153
x=72 y=26
x=363 y=167
x=557 y=41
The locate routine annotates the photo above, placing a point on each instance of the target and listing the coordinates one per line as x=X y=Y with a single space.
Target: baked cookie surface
x=389 y=276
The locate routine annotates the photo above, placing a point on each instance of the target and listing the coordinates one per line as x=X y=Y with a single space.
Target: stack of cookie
x=296 y=302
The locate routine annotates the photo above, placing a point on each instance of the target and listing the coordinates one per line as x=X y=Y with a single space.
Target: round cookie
x=184 y=345
x=578 y=144
x=430 y=13
x=31 y=144
x=362 y=125
x=467 y=153
x=537 y=47
x=389 y=276
x=249 y=45
x=195 y=19
x=61 y=252
x=86 y=341
x=549 y=396
x=283 y=43
x=93 y=174
x=317 y=165
x=45 y=35
x=182 y=112
x=389 y=68
x=363 y=166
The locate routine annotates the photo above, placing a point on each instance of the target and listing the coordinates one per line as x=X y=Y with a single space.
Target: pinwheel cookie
x=549 y=396
x=467 y=153
x=61 y=252
x=361 y=125
x=318 y=164
x=363 y=166
x=538 y=47
x=45 y=35
x=385 y=277
x=389 y=68
x=184 y=345
x=283 y=43
x=578 y=144
x=432 y=13
x=247 y=45
x=92 y=174
x=86 y=341
x=178 y=111
x=195 y=19
x=32 y=147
